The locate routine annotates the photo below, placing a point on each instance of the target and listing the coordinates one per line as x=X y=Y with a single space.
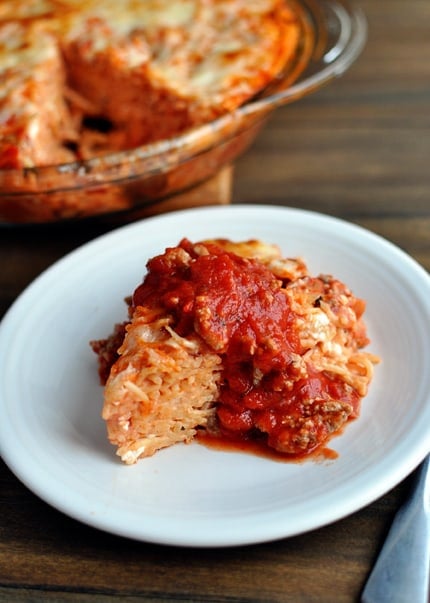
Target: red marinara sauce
x=238 y=307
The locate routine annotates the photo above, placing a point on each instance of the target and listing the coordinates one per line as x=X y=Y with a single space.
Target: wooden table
x=358 y=149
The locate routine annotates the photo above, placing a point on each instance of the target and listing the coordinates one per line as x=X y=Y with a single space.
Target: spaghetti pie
x=84 y=77
x=239 y=342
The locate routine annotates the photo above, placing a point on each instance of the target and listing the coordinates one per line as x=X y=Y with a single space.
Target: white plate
x=53 y=439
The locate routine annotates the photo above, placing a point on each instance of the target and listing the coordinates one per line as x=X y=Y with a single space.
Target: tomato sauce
x=238 y=307
x=258 y=447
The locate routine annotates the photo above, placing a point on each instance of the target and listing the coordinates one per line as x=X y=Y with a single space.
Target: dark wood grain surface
x=358 y=149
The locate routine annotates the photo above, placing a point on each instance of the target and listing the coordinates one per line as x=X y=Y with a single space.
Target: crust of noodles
x=160 y=390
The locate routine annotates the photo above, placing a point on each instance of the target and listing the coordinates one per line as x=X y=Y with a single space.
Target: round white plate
x=53 y=439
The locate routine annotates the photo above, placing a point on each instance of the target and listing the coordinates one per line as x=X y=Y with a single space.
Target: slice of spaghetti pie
x=34 y=118
x=234 y=339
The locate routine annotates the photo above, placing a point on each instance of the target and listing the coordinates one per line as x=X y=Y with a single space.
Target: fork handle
x=401 y=572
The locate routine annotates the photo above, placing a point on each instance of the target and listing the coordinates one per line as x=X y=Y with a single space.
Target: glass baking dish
x=333 y=35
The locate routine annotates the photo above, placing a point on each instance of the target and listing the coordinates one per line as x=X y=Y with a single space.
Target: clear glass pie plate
x=333 y=35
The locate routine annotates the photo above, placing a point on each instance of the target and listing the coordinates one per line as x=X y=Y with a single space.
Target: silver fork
x=401 y=572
